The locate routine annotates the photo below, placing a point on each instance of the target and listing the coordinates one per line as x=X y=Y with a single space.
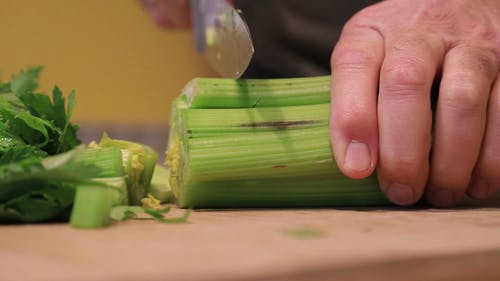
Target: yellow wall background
x=123 y=68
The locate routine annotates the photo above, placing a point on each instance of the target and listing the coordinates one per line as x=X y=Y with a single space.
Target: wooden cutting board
x=275 y=244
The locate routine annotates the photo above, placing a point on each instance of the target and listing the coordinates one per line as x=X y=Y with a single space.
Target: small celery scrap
x=151 y=208
x=151 y=202
x=135 y=178
x=160 y=185
x=139 y=162
x=123 y=213
x=304 y=233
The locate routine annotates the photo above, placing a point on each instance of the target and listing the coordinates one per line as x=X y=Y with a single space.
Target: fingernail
x=400 y=194
x=357 y=157
x=442 y=198
x=479 y=190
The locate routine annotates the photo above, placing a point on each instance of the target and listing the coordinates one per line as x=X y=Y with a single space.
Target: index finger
x=356 y=62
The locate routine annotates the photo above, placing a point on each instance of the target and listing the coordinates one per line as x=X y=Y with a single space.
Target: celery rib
x=227 y=93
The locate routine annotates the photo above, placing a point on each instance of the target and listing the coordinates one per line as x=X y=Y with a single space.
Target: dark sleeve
x=294 y=38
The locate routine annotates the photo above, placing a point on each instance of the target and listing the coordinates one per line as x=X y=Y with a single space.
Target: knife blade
x=221 y=35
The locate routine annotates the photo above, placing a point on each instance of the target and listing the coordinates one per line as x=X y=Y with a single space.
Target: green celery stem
x=92 y=206
x=259 y=143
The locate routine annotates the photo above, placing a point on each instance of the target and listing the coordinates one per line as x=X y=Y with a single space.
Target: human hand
x=168 y=13
x=383 y=68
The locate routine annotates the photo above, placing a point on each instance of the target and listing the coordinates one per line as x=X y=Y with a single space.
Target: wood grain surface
x=273 y=244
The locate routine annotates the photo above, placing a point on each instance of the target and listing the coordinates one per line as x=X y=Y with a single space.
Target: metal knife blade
x=222 y=36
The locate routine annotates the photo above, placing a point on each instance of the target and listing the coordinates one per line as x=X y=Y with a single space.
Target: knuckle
x=477 y=59
x=407 y=168
x=404 y=74
x=481 y=31
x=485 y=62
x=348 y=59
x=409 y=43
x=463 y=96
x=353 y=118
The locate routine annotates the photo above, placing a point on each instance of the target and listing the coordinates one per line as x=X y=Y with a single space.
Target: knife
x=221 y=35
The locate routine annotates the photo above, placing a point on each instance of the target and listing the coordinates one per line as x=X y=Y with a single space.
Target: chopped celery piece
x=107 y=159
x=160 y=186
x=139 y=162
x=93 y=202
x=92 y=206
x=119 y=186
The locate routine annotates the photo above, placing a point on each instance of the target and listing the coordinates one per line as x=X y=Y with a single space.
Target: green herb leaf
x=35 y=118
x=4 y=87
x=128 y=215
x=123 y=213
x=25 y=81
x=29 y=173
x=158 y=215
x=51 y=200
x=182 y=219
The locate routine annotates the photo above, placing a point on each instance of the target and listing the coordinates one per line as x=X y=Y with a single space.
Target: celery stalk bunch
x=258 y=143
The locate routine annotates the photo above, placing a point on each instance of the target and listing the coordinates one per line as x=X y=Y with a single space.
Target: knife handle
x=197 y=25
